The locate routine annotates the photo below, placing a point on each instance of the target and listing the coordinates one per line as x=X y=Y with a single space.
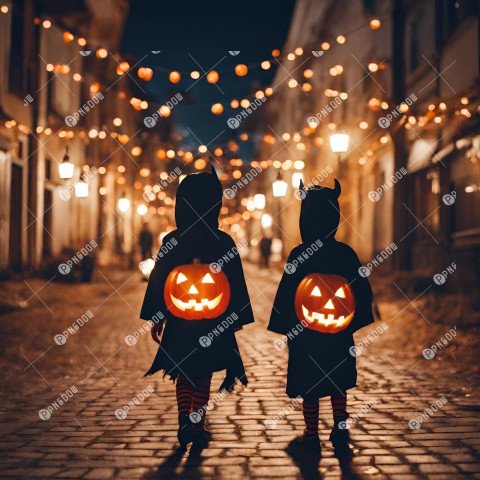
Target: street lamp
x=279 y=186
x=123 y=203
x=81 y=188
x=339 y=142
x=66 y=168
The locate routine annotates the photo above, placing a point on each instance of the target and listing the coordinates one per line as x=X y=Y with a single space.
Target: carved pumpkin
x=193 y=292
x=325 y=302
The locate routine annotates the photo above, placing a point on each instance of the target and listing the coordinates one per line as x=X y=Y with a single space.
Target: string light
x=241 y=70
x=212 y=76
x=265 y=65
x=375 y=24
x=195 y=75
x=174 y=77
x=217 y=109
x=101 y=53
x=145 y=73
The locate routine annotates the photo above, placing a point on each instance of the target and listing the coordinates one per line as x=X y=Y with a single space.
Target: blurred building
x=55 y=94
x=352 y=64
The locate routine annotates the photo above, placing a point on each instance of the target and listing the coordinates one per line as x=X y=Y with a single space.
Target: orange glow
x=174 y=77
x=122 y=68
x=217 y=109
x=241 y=70
x=68 y=37
x=145 y=73
x=212 y=76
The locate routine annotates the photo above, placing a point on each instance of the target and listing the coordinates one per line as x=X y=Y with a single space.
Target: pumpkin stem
x=196 y=260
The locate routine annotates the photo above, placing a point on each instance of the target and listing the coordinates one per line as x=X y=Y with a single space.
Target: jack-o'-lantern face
x=193 y=292
x=325 y=302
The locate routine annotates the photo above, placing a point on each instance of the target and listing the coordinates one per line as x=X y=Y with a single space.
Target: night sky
x=206 y=31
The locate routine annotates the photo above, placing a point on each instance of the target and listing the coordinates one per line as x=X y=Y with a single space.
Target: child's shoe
x=340 y=436
x=185 y=430
x=201 y=435
x=307 y=440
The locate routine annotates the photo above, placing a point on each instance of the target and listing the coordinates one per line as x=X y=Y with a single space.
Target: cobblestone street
x=99 y=373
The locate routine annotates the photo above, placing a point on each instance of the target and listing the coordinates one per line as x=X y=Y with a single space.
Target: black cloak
x=183 y=348
x=320 y=363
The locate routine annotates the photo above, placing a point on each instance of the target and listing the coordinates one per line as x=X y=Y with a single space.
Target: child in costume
x=321 y=301
x=192 y=295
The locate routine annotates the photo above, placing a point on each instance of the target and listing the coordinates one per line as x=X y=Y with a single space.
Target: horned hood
x=320 y=212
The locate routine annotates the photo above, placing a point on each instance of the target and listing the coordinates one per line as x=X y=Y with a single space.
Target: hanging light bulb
x=279 y=186
x=123 y=203
x=339 y=142
x=81 y=188
x=66 y=168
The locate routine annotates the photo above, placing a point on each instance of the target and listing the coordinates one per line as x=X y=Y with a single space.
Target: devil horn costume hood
x=320 y=212
x=310 y=349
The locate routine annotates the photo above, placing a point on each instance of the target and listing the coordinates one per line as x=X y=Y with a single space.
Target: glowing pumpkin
x=325 y=302
x=193 y=292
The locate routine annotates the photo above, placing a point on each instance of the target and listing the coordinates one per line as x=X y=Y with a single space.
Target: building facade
x=57 y=98
x=402 y=80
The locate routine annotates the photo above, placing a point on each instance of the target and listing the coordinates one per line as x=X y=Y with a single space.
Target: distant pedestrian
x=265 y=251
x=146 y=242
x=201 y=302
x=321 y=301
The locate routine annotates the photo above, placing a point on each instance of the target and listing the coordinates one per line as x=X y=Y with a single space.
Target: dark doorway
x=47 y=223
x=15 y=239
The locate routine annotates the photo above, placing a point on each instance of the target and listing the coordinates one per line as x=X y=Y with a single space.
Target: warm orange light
x=101 y=53
x=174 y=77
x=218 y=152
x=241 y=70
x=165 y=111
x=375 y=24
x=212 y=76
x=308 y=73
x=68 y=37
x=234 y=103
x=145 y=73
x=94 y=87
x=276 y=53
x=136 y=151
x=265 y=65
x=200 y=164
x=122 y=68
x=217 y=109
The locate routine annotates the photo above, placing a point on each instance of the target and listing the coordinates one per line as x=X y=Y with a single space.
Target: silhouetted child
x=194 y=295
x=321 y=301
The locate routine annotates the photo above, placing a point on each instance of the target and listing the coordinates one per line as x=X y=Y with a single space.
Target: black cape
x=183 y=349
x=320 y=364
